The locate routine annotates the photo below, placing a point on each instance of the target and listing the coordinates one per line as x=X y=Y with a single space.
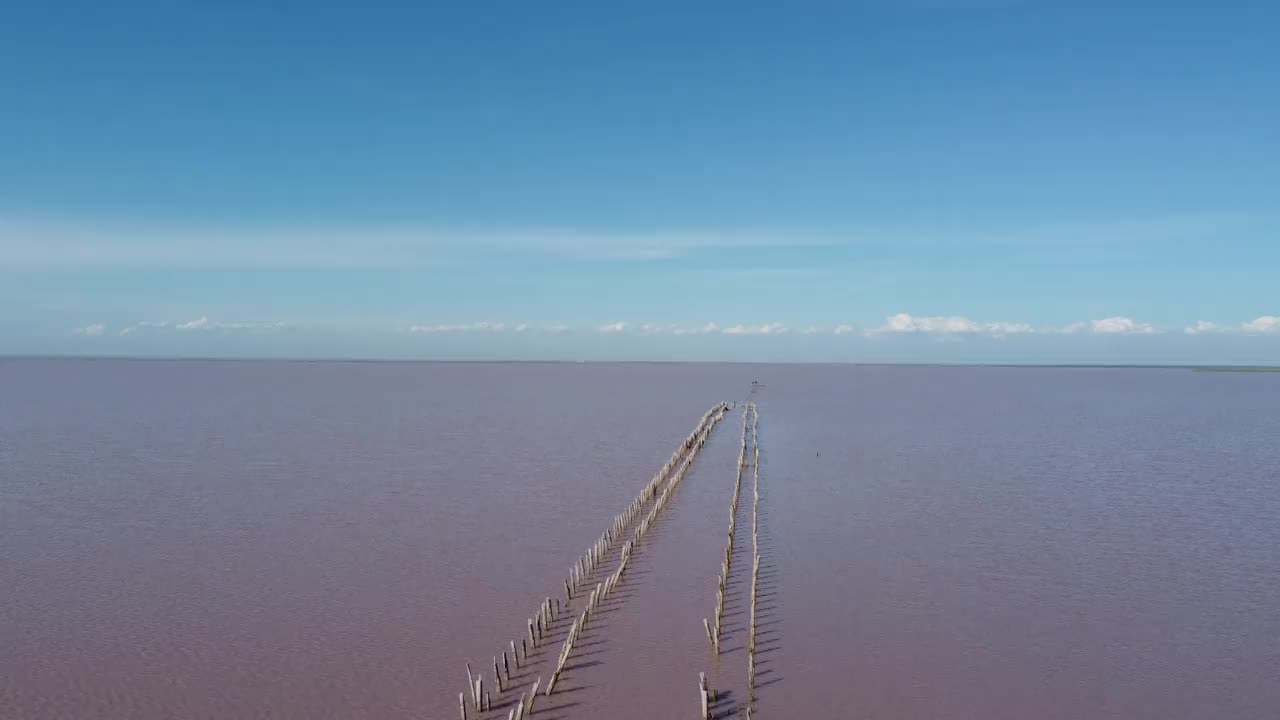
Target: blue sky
x=912 y=181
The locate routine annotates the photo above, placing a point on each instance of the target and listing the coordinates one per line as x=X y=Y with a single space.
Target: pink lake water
x=184 y=539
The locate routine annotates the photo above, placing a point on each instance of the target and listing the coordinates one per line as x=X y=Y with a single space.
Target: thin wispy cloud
x=1202 y=327
x=201 y=323
x=144 y=325
x=1263 y=325
x=843 y=330
x=948 y=325
x=766 y=329
x=486 y=327
x=204 y=323
x=707 y=329
x=78 y=242
x=90 y=330
x=613 y=328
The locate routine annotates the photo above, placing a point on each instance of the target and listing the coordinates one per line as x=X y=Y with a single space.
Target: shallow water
x=315 y=540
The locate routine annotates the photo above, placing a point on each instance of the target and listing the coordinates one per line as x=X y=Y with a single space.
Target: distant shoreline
x=492 y=361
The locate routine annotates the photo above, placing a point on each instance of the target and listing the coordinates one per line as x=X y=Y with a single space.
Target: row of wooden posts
x=706 y=696
x=755 y=564
x=726 y=565
x=539 y=626
x=699 y=439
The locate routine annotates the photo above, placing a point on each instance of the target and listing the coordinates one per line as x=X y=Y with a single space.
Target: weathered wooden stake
x=703 y=695
x=533 y=694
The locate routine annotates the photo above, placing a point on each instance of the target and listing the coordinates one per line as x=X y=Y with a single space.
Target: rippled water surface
x=336 y=540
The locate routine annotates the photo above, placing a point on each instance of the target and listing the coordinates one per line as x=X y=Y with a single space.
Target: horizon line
x=518 y=361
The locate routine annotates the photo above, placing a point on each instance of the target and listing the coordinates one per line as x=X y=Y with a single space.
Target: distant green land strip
x=1238 y=369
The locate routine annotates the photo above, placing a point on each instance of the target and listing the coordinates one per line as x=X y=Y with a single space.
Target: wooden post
x=533 y=694
x=702 y=694
x=462 y=706
x=471 y=685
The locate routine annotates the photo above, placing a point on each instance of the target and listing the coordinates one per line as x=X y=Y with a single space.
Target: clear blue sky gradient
x=379 y=181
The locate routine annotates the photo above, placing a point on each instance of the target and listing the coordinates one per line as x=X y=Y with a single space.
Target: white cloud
x=143 y=325
x=651 y=329
x=250 y=325
x=843 y=329
x=90 y=242
x=948 y=325
x=1203 y=326
x=811 y=330
x=1267 y=324
x=766 y=329
x=1000 y=329
x=90 y=330
x=703 y=330
x=468 y=327
x=615 y=327
x=557 y=329
x=202 y=323
x=1264 y=325
x=1121 y=326
x=522 y=327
